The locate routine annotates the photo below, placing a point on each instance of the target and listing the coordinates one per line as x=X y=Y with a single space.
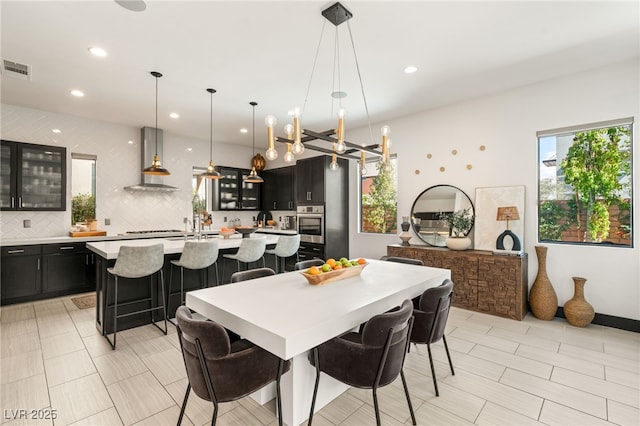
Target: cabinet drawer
x=64 y=248
x=21 y=250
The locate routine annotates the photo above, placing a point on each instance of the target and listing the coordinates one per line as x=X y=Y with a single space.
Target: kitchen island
x=106 y=254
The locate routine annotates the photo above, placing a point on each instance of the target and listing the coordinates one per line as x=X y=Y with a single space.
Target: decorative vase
x=405 y=236
x=92 y=224
x=542 y=296
x=458 y=243
x=416 y=224
x=577 y=310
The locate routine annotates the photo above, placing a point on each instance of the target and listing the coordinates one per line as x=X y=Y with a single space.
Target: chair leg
x=375 y=405
x=446 y=348
x=184 y=404
x=115 y=315
x=164 y=302
x=406 y=393
x=217 y=275
x=181 y=285
x=277 y=262
x=315 y=388
x=181 y=302
x=433 y=370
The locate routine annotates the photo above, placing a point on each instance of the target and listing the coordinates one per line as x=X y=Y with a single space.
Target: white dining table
x=287 y=316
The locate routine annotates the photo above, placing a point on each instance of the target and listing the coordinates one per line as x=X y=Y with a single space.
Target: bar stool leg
x=164 y=302
x=115 y=315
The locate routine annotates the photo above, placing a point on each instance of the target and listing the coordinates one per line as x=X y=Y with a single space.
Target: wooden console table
x=483 y=282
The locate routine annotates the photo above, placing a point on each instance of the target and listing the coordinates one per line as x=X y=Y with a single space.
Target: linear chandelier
x=297 y=139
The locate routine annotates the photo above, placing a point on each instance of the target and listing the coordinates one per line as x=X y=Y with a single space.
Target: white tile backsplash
x=118 y=165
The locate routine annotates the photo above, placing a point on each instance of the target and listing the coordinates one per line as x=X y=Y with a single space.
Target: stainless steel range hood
x=150 y=183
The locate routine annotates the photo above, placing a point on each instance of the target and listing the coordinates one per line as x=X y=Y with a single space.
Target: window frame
x=571 y=131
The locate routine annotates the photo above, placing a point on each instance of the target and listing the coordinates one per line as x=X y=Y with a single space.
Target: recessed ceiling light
x=189 y=149
x=130 y=142
x=243 y=130
x=98 y=51
x=174 y=115
x=77 y=93
x=410 y=69
x=56 y=131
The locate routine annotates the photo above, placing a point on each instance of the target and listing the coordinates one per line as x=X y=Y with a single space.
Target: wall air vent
x=16 y=70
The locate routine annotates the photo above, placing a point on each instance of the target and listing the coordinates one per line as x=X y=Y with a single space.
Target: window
x=378 y=197
x=584 y=187
x=83 y=187
x=201 y=201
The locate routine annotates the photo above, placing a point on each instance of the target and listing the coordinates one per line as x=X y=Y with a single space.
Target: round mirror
x=430 y=204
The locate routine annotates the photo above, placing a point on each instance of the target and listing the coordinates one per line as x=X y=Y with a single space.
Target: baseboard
x=610 y=321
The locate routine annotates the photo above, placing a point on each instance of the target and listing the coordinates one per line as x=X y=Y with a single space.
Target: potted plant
x=83 y=210
x=459 y=223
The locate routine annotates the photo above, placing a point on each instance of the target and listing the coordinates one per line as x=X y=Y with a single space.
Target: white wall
x=506 y=124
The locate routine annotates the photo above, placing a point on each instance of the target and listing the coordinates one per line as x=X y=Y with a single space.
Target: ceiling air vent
x=16 y=70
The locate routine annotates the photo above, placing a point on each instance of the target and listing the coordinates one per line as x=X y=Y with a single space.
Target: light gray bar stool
x=196 y=255
x=250 y=250
x=286 y=246
x=138 y=262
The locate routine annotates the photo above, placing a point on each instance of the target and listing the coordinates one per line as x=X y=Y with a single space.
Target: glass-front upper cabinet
x=231 y=192
x=33 y=177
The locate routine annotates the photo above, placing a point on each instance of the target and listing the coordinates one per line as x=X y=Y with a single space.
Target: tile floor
x=507 y=373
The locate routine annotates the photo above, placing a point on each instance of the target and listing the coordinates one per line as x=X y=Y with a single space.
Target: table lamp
x=508 y=213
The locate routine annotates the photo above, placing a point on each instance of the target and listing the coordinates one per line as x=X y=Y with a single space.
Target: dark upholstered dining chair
x=406 y=260
x=370 y=359
x=430 y=320
x=304 y=264
x=251 y=274
x=220 y=370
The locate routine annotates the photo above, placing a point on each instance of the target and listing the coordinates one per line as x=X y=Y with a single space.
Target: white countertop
x=110 y=249
x=277 y=231
x=67 y=239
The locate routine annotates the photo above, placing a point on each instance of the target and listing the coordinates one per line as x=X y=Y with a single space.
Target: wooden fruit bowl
x=340 y=274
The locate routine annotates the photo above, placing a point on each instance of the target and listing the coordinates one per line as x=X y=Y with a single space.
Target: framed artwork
x=487 y=227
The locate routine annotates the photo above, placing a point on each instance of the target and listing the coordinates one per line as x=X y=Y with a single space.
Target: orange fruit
x=338 y=266
x=331 y=262
x=313 y=271
x=361 y=261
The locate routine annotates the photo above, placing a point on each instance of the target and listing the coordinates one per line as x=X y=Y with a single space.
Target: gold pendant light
x=211 y=172
x=156 y=168
x=253 y=175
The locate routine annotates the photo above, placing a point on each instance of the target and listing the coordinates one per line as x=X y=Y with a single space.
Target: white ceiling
x=264 y=51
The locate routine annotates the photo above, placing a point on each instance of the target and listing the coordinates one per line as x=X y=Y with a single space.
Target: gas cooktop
x=154 y=231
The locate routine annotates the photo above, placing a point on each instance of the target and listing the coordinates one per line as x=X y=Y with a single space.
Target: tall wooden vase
x=542 y=296
x=577 y=310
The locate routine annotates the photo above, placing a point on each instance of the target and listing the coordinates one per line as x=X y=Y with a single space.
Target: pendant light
x=211 y=172
x=253 y=175
x=156 y=168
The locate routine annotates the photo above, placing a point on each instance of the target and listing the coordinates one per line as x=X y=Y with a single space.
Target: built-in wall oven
x=311 y=224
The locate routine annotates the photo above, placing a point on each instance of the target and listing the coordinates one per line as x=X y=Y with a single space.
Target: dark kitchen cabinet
x=310 y=174
x=278 y=189
x=317 y=184
x=67 y=268
x=32 y=177
x=308 y=251
x=20 y=273
x=231 y=192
